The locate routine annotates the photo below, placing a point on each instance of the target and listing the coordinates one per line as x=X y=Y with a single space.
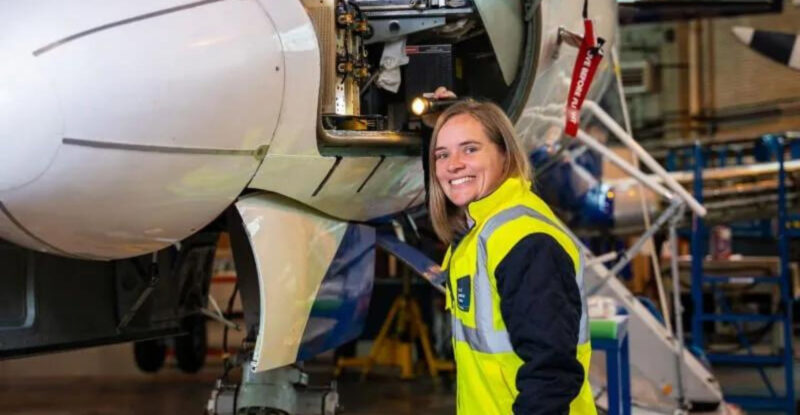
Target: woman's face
x=469 y=166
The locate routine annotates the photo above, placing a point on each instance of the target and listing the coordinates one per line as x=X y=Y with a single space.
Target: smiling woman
x=469 y=165
x=474 y=150
x=514 y=276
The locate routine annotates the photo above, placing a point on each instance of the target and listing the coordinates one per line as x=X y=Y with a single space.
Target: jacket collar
x=511 y=189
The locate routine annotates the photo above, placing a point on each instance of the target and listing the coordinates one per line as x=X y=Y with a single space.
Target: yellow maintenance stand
x=395 y=342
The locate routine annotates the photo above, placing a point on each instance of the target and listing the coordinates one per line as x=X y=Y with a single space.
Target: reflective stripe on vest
x=484 y=337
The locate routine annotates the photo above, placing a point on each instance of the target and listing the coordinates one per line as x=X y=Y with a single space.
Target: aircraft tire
x=150 y=355
x=190 y=348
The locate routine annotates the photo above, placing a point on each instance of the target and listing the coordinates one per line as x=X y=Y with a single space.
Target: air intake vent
x=638 y=77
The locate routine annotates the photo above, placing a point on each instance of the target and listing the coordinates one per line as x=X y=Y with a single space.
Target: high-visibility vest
x=485 y=360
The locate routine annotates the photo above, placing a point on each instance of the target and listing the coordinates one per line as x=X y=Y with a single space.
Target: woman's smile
x=462 y=180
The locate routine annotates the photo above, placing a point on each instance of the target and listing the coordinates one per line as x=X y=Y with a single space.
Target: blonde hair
x=447 y=218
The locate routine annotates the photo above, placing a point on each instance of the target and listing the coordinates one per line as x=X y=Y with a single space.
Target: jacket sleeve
x=541 y=307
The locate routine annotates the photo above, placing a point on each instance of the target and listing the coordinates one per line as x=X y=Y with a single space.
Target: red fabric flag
x=589 y=56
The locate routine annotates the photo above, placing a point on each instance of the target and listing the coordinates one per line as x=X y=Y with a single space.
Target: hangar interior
x=228 y=215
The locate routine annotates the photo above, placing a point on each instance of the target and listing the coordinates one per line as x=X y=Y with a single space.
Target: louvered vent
x=637 y=77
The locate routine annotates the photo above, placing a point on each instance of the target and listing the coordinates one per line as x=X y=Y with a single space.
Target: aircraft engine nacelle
x=127 y=126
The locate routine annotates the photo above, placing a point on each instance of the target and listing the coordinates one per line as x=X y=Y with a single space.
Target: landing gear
x=190 y=348
x=150 y=355
x=281 y=391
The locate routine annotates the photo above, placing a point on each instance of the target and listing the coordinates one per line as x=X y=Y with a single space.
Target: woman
x=514 y=277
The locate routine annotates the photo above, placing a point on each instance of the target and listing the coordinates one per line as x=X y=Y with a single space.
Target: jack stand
x=281 y=391
x=397 y=349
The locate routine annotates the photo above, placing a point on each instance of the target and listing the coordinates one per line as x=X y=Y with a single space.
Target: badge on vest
x=463 y=293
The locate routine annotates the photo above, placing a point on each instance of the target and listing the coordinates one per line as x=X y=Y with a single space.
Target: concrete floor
x=112 y=395
x=748 y=381
x=171 y=393
x=105 y=381
x=78 y=383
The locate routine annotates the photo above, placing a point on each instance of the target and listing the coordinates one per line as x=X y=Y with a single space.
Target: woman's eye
x=470 y=149
x=440 y=156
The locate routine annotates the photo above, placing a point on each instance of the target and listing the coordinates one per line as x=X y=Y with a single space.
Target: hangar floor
x=103 y=381
x=171 y=393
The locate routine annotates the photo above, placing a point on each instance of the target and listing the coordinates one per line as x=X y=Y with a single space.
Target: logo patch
x=463 y=293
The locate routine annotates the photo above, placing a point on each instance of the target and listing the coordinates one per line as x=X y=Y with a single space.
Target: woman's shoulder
x=528 y=205
x=527 y=217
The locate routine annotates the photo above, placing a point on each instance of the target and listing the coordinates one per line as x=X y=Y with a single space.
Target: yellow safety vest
x=486 y=362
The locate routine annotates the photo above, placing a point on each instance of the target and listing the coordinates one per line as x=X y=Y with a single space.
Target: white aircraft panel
x=126 y=126
x=204 y=77
x=293 y=247
x=12 y=231
x=396 y=184
x=503 y=21
x=31 y=122
x=32 y=24
x=153 y=199
x=296 y=132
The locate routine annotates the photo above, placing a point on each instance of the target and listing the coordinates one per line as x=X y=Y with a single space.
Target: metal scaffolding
x=774 y=401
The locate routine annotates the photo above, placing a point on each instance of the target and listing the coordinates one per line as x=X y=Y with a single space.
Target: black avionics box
x=429 y=67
